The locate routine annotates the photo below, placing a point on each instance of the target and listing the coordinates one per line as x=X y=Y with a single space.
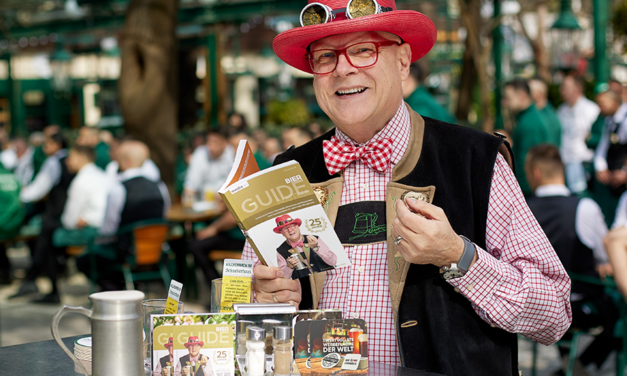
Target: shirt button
x=361 y=269
x=470 y=287
x=456 y=289
x=365 y=185
x=494 y=326
x=355 y=315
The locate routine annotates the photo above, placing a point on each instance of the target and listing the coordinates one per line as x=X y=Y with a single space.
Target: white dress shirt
x=8 y=158
x=149 y=168
x=620 y=219
x=589 y=221
x=87 y=197
x=576 y=124
x=25 y=167
x=620 y=119
x=117 y=199
x=206 y=173
x=48 y=177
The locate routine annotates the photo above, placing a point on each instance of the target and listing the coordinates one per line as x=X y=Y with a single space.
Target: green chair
x=620 y=330
x=150 y=258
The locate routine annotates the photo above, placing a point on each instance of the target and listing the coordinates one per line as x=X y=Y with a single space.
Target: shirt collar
x=130 y=174
x=393 y=130
x=552 y=190
x=621 y=113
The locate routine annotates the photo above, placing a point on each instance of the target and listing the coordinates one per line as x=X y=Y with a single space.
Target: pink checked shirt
x=517 y=284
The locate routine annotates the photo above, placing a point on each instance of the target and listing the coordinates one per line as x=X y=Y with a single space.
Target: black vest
x=57 y=198
x=316 y=262
x=616 y=153
x=143 y=201
x=449 y=337
x=557 y=215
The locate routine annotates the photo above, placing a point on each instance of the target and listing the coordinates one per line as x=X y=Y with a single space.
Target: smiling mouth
x=353 y=91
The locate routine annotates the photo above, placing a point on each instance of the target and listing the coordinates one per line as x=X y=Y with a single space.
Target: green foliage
x=619 y=20
x=293 y=113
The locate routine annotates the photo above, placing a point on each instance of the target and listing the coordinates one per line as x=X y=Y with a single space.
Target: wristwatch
x=459 y=269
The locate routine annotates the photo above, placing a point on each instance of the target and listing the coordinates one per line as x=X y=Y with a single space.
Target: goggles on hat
x=317 y=13
x=281 y=223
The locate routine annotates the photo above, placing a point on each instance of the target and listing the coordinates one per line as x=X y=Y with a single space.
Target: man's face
x=607 y=105
x=74 y=161
x=87 y=137
x=216 y=145
x=569 y=90
x=511 y=99
x=360 y=101
x=51 y=147
x=194 y=350
x=291 y=233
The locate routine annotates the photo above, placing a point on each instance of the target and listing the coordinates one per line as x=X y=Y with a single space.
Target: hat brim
x=168 y=345
x=413 y=27
x=188 y=344
x=294 y=222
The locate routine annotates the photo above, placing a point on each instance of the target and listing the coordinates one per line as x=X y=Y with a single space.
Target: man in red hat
x=161 y=369
x=433 y=300
x=300 y=255
x=194 y=363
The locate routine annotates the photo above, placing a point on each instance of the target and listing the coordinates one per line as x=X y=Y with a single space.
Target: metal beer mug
x=301 y=265
x=116 y=329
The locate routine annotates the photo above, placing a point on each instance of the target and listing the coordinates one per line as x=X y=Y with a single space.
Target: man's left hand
x=81 y=223
x=312 y=241
x=203 y=360
x=618 y=177
x=425 y=240
x=605 y=270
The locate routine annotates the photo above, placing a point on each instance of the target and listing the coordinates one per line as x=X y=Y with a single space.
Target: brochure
x=281 y=216
x=193 y=344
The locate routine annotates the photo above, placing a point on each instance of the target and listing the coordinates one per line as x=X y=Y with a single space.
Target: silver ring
x=274 y=297
x=397 y=241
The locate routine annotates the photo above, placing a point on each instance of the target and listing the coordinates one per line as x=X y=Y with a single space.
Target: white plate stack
x=82 y=351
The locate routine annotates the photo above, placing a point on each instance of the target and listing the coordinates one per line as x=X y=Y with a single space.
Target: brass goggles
x=281 y=223
x=317 y=13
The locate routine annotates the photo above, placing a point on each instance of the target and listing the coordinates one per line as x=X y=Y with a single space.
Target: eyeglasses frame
x=342 y=51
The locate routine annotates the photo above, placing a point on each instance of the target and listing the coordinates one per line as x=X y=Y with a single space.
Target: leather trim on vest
x=414 y=148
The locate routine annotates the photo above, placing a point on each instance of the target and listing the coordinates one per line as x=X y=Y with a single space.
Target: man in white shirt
x=611 y=153
x=576 y=114
x=149 y=168
x=133 y=198
x=86 y=199
x=576 y=228
x=209 y=165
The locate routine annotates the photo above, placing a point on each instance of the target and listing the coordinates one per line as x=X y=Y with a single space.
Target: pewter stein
x=301 y=265
x=116 y=329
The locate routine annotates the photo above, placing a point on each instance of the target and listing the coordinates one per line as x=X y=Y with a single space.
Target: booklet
x=281 y=216
x=193 y=345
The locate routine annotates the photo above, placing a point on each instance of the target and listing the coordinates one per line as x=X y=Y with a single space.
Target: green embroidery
x=398 y=264
x=394 y=203
x=365 y=225
x=329 y=201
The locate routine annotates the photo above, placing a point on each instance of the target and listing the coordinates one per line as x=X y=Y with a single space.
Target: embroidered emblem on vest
x=365 y=226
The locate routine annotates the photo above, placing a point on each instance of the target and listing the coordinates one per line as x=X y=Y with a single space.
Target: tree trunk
x=148 y=79
x=468 y=80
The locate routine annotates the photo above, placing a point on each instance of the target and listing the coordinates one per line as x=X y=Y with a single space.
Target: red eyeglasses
x=358 y=55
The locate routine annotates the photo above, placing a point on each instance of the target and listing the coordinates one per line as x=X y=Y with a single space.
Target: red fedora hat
x=284 y=221
x=413 y=27
x=193 y=340
x=170 y=343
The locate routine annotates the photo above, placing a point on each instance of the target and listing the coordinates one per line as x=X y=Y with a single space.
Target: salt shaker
x=255 y=351
x=282 y=350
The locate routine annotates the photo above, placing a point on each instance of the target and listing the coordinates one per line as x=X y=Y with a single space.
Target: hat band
x=318 y=13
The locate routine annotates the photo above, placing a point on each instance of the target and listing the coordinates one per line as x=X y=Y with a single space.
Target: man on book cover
x=300 y=255
x=161 y=368
x=194 y=363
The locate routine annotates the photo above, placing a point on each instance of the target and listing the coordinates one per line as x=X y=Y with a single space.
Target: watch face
x=452 y=273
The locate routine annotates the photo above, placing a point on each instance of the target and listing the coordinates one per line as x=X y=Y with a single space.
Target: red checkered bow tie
x=298 y=244
x=339 y=154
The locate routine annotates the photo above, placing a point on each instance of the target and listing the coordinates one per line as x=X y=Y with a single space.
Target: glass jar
x=255 y=351
x=283 y=357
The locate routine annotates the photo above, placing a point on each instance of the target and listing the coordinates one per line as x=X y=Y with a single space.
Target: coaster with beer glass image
x=338 y=347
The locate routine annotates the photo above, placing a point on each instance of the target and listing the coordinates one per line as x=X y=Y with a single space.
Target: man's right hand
x=184 y=371
x=269 y=280
x=292 y=262
x=604 y=177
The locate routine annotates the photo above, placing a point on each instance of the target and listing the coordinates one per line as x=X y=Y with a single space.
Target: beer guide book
x=281 y=216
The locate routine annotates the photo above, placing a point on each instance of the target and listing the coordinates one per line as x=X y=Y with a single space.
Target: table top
x=46 y=358
x=178 y=213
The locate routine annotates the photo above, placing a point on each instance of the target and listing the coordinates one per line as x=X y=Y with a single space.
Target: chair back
x=148 y=242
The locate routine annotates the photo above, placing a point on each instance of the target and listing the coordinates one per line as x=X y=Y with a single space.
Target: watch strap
x=468 y=255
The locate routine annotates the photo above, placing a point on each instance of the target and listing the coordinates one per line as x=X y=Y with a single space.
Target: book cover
x=281 y=217
x=193 y=345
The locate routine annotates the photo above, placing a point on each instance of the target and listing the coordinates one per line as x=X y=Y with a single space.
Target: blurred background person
x=11 y=217
x=610 y=154
x=261 y=160
x=295 y=136
x=315 y=129
x=576 y=115
x=90 y=136
x=209 y=165
x=24 y=168
x=271 y=148
x=237 y=123
x=419 y=98
x=576 y=228
x=149 y=168
x=531 y=127
x=133 y=198
x=52 y=181
x=539 y=94
x=8 y=155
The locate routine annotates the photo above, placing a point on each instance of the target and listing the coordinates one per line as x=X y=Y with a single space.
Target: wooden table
x=46 y=359
x=178 y=213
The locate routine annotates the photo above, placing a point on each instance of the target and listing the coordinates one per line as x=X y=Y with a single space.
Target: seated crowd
x=86 y=192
